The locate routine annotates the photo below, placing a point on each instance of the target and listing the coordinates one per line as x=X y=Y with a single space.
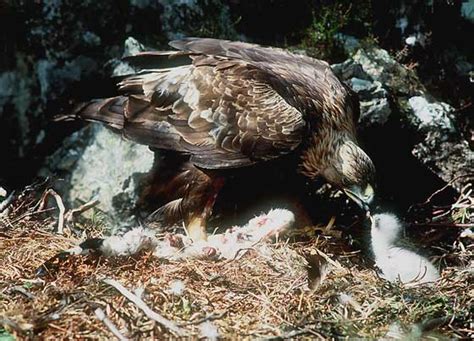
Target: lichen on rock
x=386 y=88
x=96 y=163
x=190 y=17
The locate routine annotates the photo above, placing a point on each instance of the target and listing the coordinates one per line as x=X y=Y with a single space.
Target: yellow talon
x=196 y=229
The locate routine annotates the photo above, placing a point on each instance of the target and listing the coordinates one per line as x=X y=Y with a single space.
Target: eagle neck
x=322 y=151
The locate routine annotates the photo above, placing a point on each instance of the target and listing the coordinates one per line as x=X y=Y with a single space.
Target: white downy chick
x=396 y=262
x=132 y=242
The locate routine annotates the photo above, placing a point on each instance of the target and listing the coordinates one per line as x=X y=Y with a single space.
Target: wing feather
x=227 y=104
x=220 y=111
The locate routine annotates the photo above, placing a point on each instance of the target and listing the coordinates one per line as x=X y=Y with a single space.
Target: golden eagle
x=215 y=106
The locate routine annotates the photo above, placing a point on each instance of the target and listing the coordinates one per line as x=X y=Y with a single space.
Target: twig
x=62 y=210
x=69 y=216
x=5 y=321
x=445 y=225
x=294 y=333
x=242 y=250
x=109 y=324
x=210 y=317
x=22 y=291
x=59 y=202
x=5 y=203
x=214 y=316
x=29 y=214
x=328 y=259
x=148 y=312
x=427 y=201
x=330 y=224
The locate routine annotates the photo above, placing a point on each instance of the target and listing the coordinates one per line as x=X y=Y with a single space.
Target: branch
x=109 y=324
x=148 y=312
x=62 y=210
x=5 y=203
x=69 y=217
x=42 y=204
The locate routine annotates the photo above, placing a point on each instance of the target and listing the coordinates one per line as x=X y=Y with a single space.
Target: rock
x=351 y=44
x=132 y=47
x=451 y=160
x=387 y=88
x=185 y=17
x=467 y=10
x=432 y=115
x=16 y=97
x=380 y=66
x=350 y=69
x=95 y=163
x=363 y=87
x=376 y=111
x=122 y=68
x=374 y=102
x=49 y=58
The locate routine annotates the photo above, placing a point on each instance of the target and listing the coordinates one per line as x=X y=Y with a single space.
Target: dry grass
x=263 y=294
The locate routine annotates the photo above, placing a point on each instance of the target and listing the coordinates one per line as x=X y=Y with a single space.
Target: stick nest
x=313 y=282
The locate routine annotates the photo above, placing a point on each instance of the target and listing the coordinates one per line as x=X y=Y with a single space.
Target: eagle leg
x=198 y=205
x=196 y=228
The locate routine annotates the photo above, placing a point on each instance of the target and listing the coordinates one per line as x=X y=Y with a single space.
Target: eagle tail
x=109 y=111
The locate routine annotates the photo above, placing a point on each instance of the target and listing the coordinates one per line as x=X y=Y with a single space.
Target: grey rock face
x=60 y=45
x=131 y=47
x=16 y=92
x=467 y=10
x=389 y=91
x=374 y=103
x=432 y=115
x=184 y=17
x=95 y=163
x=58 y=53
x=110 y=169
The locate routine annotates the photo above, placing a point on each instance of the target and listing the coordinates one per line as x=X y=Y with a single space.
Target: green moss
x=320 y=38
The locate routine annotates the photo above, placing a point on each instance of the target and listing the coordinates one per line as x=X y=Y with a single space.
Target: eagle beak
x=362 y=200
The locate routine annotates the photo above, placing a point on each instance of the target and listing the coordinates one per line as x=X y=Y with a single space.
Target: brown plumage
x=219 y=106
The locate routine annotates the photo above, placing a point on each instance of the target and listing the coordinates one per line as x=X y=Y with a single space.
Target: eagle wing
x=224 y=112
x=226 y=104
x=307 y=83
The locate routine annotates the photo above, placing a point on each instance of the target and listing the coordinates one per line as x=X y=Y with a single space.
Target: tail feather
x=109 y=111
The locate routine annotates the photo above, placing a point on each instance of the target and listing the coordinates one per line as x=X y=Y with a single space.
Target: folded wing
x=224 y=112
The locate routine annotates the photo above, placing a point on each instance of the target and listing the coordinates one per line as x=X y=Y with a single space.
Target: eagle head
x=344 y=164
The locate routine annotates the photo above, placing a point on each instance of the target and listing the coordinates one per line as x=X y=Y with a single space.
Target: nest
x=309 y=283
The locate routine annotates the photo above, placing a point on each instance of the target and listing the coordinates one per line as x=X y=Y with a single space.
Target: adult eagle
x=215 y=106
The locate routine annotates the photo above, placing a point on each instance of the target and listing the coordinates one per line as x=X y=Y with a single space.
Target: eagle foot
x=196 y=229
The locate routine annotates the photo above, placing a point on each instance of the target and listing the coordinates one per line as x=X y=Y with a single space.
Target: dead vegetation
x=310 y=283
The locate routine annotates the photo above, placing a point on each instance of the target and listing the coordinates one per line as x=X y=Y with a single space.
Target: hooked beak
x=362 y=202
